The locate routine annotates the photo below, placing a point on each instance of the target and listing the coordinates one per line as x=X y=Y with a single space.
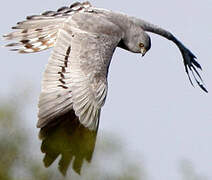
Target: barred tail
x=39 y=32
x=34 y=35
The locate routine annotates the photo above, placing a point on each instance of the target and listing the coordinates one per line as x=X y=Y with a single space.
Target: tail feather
x=30 y=33
x=33 y=39
x=39 y=32
x=34 y=42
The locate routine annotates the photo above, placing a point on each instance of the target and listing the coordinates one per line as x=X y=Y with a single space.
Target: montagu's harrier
x=84 y=38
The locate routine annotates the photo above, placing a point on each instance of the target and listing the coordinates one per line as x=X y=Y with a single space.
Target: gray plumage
x=84 y=39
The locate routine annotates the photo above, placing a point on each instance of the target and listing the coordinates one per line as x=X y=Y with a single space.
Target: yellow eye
x=141 y=45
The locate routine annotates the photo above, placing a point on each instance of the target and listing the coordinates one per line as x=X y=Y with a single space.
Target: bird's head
x=137 y=41
x=143 y=43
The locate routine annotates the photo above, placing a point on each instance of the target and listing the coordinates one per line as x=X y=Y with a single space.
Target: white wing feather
x=76 y=75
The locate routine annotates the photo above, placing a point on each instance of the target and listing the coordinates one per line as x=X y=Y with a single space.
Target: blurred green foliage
x=17 y=163
x=188 y=171
x=110 y=160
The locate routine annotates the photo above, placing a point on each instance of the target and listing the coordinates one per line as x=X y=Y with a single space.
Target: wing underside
x=76 y=76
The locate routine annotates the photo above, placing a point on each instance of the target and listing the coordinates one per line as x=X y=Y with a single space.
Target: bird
x=84 y=38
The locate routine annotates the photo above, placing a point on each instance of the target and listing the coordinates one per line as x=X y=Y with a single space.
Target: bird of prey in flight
x=84 y=39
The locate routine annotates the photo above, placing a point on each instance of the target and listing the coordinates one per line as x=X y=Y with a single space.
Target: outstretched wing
x=39 y=32
x=188 y=57
x=76 y=74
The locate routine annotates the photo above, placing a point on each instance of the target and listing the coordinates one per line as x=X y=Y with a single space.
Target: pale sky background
x=151 y=104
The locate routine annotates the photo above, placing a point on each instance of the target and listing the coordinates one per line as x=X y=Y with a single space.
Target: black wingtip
x=14 y=27
x=203 y=88
x=200 y=83
x=190 y=66
x=196 y=63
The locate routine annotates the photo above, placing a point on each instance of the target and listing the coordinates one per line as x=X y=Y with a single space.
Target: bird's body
x=84 y=39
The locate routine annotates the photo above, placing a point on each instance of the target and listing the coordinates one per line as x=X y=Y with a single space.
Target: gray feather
x=84 y=39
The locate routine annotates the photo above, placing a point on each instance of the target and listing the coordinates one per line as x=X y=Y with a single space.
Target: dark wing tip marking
x=62 y=8
x=48 y=13
x=75 y=4
x=190 y=65
x=63 y=11
x=12 y=44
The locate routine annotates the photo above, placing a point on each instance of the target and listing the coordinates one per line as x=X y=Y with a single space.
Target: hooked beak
x=143 y=51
